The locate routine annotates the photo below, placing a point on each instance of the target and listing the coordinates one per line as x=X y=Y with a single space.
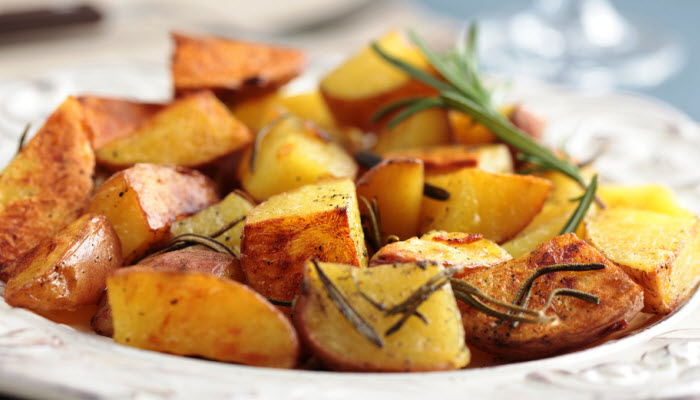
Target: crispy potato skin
x=437 y=345
x=68 y=271
x=580 y=322
x=658 y=251
x=142 y=201
x=203 y=128
x=47 y=185
x=220 y=265
x=284 y=232
x=232 y=69
x=108 y=119
x=189 y=313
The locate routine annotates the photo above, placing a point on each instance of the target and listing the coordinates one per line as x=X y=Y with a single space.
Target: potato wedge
x=651 y=197
x=397 y=184
x=142 y=201
x=108 y=119
x=365 y=83
x=416 y=346
x=320 y=220
x=190 y=313
x=220 y=265
x=254 y=112
x=232 y=69
x=658 y=251
x=498 y=206
x=425 y=128
x=69 y=270
x=46 y=186
x=234 y=207
x=441 y=159
x=289 y=154
x=201 y=126
x=578 y=322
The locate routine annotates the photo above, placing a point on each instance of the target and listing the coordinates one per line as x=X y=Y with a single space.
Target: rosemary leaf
x=582 y=207
x=279 y=302
x=413 y=108
x=227 y=227
x=23 y=138
x=384 y=111
x=346 y=309
x=571 y=293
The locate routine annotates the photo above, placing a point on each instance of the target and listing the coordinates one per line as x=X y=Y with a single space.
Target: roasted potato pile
x=334 y=228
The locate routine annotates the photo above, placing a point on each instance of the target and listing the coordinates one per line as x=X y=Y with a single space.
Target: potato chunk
x=320 y=220
x=141 y=202
x=416 y=346
x=658 y=251
x=230 y=68
x=46 y=186
x=651 y=197
x=197 y=314
x=397 y=184
x=443 y=248
x=578 y=322
x=197 y=130
x=220 y=265
x=108 y=119
x=69 y=270
x=292 y=153
x=497 y=206
x=413 y=132
x=232 y=208
x=365 y=83
x=440 y=159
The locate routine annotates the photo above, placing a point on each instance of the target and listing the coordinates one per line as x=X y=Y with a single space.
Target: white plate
x=640 y=140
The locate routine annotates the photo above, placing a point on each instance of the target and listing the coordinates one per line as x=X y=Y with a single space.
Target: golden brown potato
x=320 y=220
x=397 y=184
x=108 y=119
x=441 y=159
x=69 y=270
x=365 y=83
x=255 y=111
x=292 y=153
x=141 y=202
x=230 y=68
x=217 y=264
x=46 y=186
x=466 y=130
x=658 y=251
x=234 y=207
x=196 y=130
x=651 y=197
x=497 y=206
x=425 y=128
x=189 y=313
x=416 y=346
x=578 y=322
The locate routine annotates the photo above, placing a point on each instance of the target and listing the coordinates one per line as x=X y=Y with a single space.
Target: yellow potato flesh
x=397 y=184
x=417 y=346
x=425 y=128
x=189 y=313
x=649 y=197
x=498 y=206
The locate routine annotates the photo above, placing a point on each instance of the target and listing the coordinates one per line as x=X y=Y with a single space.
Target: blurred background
x=646 y=46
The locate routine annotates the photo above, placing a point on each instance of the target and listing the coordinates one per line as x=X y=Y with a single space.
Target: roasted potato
x=425 y=128
x=108 y=119
x=441 y=159
x=142 y=201
x=658 y=251
x=320 y=220
x=198 y=314
x=291 y=153
x=46 y=186
x=232 y=69
x=577 y=323
x=197 y=130
x=437 y=344
x=217 y=264
x=365 y=83
x=650 y=197
x=496 y=205
x=443 y=248
x=69 y=270
x=212 y=219
x=397 y=184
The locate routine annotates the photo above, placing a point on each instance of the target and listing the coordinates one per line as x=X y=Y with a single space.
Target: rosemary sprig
x=346 y=308
x=190 y=239
x=583 y=206
x=23 y=138
x=368 y=160
x=373 y=233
